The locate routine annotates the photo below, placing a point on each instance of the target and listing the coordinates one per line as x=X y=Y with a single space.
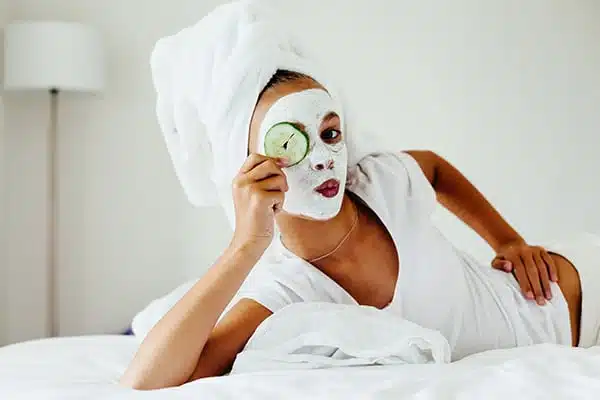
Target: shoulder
x=410 y=172
x=393 y=184
x=427 y=161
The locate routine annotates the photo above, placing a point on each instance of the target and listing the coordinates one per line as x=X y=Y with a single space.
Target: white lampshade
x=53 y=55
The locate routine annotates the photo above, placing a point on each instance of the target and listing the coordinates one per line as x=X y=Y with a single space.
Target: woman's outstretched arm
x=180 y=346
x=460 y=197
x=533 y=267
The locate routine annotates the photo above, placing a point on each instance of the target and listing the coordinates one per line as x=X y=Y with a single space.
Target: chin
x=327 y=208
x=326 y=216
x=316 y=218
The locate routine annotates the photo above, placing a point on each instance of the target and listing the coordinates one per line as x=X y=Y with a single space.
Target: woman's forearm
x=460 y=197
x=169 y=354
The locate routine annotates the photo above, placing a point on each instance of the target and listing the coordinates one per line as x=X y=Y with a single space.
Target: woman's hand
x=532 y=266
x=258 y=193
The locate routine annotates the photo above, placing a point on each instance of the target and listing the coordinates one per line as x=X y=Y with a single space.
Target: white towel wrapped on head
x=208 y=78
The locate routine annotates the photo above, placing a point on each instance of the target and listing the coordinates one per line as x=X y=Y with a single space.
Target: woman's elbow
x=209 y=370
x=143 y=383
x=135 y=384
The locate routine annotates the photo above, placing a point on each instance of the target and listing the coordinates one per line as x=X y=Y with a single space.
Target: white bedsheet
x=88 y=367
x=313 y=335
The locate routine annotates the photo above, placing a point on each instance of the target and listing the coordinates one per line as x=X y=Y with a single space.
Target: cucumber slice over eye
x=284 y=140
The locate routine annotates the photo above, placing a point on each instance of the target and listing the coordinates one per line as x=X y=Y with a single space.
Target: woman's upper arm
x=428 y=161
x=229 y=338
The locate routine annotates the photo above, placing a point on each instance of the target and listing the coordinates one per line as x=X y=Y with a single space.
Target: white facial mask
x=323 y=162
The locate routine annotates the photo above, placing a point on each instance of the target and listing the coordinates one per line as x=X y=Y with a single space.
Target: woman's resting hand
x=258 y=193
x=532 y=266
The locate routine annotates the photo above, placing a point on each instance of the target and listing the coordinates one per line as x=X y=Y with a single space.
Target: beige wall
x=505 y=89
x=4 y=15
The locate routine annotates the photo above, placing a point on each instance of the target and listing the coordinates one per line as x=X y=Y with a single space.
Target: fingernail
x=541 y=301
x=507 y=267
x=548 y=296
x=554 y=278
x=529 y=295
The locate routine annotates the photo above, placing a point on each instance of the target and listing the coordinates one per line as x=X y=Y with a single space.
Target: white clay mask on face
x=294 y=127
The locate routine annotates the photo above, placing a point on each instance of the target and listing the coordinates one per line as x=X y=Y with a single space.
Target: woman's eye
x=331 y=135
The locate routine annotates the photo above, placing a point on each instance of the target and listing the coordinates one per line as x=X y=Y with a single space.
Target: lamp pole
x=53 y=57
x=53 y=210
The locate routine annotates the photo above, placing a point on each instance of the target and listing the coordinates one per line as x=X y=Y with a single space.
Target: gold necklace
x=341 y=243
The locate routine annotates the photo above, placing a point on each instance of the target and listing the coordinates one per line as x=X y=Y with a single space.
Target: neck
x=310 y=239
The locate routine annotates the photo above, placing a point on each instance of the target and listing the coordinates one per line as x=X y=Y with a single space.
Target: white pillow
x=145 y=320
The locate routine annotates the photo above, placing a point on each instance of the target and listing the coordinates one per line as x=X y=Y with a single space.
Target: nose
x=323 y=165
x=321 y=158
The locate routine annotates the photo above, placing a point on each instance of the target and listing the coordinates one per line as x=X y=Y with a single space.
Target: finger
x=274 y=183
x=275 y=199
x=544 y=277
x=498 y=263
x=521 y=275
x=264 y=170
x=282 y=162
x=551 y=265
x=252 y=161
x=502 y=264
x=534 y=278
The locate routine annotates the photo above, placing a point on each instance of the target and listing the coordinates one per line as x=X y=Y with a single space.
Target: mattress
x=89 y=367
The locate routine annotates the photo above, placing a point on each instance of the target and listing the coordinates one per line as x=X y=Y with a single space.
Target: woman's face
x=316 y=184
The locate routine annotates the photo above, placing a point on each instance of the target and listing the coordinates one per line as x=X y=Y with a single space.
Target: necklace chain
x=341 y=243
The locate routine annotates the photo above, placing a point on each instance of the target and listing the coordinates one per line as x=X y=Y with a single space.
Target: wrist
x=509 y=242
x=248 y=249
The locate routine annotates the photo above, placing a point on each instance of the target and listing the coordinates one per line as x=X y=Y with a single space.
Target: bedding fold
x=326 y=335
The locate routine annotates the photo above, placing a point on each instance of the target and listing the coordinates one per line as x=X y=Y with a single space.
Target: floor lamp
x=53 y=57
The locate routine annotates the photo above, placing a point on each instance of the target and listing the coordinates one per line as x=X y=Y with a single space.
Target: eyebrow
x=326 y=119
x=329 y=117
x=299 y=125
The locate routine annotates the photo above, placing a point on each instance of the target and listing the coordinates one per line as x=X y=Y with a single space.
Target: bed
x=88 y=367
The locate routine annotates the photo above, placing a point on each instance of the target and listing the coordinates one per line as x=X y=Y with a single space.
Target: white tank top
x=439 y=287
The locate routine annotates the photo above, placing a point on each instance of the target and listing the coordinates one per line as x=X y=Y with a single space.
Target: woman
x=372 y=244
x=353 y=248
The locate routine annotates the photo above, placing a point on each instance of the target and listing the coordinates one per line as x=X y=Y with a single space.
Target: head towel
x=208 y=78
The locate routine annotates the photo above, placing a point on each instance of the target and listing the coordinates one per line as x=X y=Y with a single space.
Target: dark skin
x=533 y=267
x=186 y=345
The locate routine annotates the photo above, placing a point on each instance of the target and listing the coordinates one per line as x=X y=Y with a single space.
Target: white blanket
x=88 y=368
x=323 y=335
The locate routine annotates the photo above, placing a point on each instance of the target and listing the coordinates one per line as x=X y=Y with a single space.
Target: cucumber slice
x=284 y=140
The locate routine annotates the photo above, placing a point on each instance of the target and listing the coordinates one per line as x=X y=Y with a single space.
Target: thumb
x=501 y=263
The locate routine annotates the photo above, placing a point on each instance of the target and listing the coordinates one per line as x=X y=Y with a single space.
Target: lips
x=330 y=188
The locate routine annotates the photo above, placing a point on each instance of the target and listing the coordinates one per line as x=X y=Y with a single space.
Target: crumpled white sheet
x=89 y=367
x=324 y=335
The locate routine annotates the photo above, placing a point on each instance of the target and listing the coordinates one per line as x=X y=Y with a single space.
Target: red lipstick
x=330 y=188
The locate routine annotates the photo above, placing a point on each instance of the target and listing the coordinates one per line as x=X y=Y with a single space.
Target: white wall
x=506 y=90
x=124 y=221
